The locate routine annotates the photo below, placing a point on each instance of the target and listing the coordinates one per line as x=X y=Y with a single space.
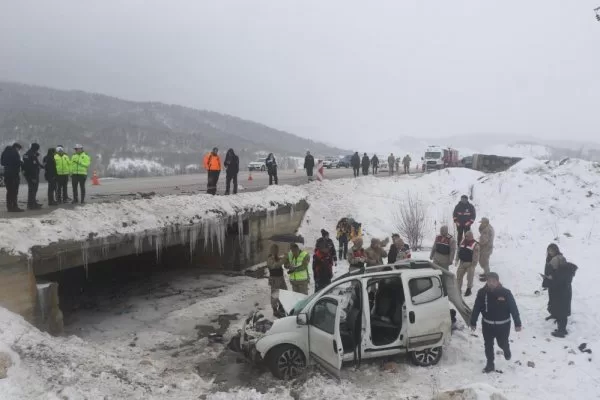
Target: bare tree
x=410 y=218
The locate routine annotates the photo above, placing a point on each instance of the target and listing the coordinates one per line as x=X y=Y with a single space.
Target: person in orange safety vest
x=212 y=164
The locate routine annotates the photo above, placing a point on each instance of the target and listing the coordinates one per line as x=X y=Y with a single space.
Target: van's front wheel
x=286 y=361
x=427 y=357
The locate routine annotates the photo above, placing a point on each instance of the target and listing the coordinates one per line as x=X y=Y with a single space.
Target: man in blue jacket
x=496 y=305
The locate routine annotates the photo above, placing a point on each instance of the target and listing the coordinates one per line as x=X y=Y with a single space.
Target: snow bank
x=131 y=216
x=125 y=167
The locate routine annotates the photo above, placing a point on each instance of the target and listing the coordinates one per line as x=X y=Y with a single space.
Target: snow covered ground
x=126 y=167
x=530 y=206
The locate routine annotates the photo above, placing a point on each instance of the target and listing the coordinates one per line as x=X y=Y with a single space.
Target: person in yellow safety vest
x=297 y=266
x=80 y=162
x=63 y=170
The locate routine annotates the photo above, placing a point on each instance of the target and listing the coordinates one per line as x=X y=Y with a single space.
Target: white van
x=376 y=312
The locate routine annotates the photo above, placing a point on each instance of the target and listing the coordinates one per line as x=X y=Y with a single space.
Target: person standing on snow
x=297 y=267
x=357 y=256
x=464 y=216
x=398 y=250
x=467 y=259
x=375 y=253
x=271 y=168
x=276 y=280
x=391 y=162
x=31 y=171
x=309 y=165
x=486 y=246
x=343 y=230
x=559 y=281
x=63 y=170
x=375 y=163
x=444 y=248
x=365 y=164
x=50 y=175
x=328 y=242
x=406 y=162
x=322 y=265
x=11 y=161
x=80 y=162
x=355 y=161
x=212 y=165
x=232 y=168
x=496 y=305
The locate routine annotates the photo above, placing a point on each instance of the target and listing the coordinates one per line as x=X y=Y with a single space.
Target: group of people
x=58 y=166
x=365 y=163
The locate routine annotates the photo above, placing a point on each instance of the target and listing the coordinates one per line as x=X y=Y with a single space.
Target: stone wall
x=17 y=286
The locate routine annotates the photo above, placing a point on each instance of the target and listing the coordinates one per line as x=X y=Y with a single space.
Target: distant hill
x=114 y=130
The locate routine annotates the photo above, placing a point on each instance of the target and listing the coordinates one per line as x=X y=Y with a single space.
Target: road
x=111 y=190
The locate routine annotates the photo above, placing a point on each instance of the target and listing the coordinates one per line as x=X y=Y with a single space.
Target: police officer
x=496 y=305
x=297 y=266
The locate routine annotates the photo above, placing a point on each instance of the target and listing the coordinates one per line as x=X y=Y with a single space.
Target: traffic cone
x=249 y=176
x=95 y=180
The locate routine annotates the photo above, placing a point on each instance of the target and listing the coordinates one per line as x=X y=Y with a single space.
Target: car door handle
x=411 y=317
x=335 y=350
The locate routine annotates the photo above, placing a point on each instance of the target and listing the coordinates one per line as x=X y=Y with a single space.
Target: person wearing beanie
x=11 y=161
x=31 y=171
x=328 y=242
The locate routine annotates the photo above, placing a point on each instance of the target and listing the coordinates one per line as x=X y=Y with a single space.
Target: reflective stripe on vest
x=297 y=262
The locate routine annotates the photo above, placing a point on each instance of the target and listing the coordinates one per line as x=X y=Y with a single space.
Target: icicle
x=41 y=295
x=138 y=243
x=220 y=236
x=292 y=211
x=274 y=219
x=268 y=218
x=105 y=247
x=193 y=239
x=158 y=243
x=240 y=227
x=85 y=246
x=206 y=227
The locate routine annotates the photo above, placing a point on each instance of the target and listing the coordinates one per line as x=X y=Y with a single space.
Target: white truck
x=382 y=311
x=434 y=158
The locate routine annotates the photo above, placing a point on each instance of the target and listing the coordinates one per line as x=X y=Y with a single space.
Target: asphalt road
x=111 y=190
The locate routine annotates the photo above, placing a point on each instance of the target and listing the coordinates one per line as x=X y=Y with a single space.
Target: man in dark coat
x=355 y=161
x=50 y=175
x=496 y=305
x=31 y=171
x=365 y=164
x=309 y=165
x=375 y=163
x=464 y=216
x=271 y=164
x=322 y=266
x=232 y=167
x=328 y=242
x=11 y=161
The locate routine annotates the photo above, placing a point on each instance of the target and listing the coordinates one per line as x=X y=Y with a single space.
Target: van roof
x=386 y=268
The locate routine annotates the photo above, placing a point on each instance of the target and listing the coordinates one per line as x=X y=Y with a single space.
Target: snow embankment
x=130 y=167
x=134 y=216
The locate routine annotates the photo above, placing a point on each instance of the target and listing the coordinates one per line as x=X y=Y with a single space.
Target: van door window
x=350 y=294
x=323 y=315
x=425 y=290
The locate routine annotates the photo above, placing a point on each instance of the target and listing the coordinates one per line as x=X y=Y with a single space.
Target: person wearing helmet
x=80 y=162
x=63 y=169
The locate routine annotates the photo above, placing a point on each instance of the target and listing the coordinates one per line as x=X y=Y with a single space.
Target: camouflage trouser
x=465 y=268
x=442 y=260
x=276 y=283
x=300 y=286
x=484 y=260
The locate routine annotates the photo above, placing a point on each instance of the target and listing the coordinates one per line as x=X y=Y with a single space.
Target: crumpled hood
x=289 y=299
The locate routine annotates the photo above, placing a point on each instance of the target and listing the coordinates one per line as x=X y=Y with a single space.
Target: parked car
x=2 y=183
x=258 y=165
x=380 y=311
x=345 y=162
x=331 y=162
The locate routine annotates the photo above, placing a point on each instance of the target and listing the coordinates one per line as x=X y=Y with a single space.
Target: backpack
x=572 y=267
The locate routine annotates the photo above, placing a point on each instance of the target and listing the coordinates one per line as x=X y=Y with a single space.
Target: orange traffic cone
x=95 y=180
x=249 y=176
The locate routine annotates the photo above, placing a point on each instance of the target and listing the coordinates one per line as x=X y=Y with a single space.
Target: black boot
x=559 y=333
x=489 y=367
x=468 y=292
x=507 y=354
x=340 y=253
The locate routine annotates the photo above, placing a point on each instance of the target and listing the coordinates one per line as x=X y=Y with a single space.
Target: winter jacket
x=357 y=257
x=309 y=161
x=212 y=162
x=552 y=263
x=80 y=163
x=391 y=161
x=271 y=162
x=11 y=161
x=63 y=164
x=322 y=266
x=486 y=238
x=464 y=214
x=49 y=167
x=355 y=161
x=396 y=254
x=329 y=244
x=343 y=229
x=443 y=250
x=406 y=160
x=375 y=161
x=495 y=306
x=232 y=163
x=375 y=256
x=275 y=265
x=560 y=286
x=468 y=252
x=366 y=162
x=31 y=164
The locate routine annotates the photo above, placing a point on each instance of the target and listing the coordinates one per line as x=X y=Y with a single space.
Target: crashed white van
x=376 y=312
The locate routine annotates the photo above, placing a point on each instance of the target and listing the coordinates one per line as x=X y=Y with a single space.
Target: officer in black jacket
x=464 y=216
x=232 y=168
x=31 y=170
x=496 y=305
x=11 y=161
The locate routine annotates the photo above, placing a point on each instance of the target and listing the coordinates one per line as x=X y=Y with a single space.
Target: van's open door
x=324 y=339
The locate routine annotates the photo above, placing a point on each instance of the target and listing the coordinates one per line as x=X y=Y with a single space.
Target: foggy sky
x=343 y=71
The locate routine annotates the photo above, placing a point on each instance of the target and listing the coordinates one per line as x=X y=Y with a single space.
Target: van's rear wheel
x=427 y=357
x=286 y=361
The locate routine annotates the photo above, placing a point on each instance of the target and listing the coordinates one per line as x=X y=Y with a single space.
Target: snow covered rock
x=5 y=364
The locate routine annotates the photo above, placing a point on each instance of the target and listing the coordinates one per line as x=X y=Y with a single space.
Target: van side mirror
x=302 y=319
